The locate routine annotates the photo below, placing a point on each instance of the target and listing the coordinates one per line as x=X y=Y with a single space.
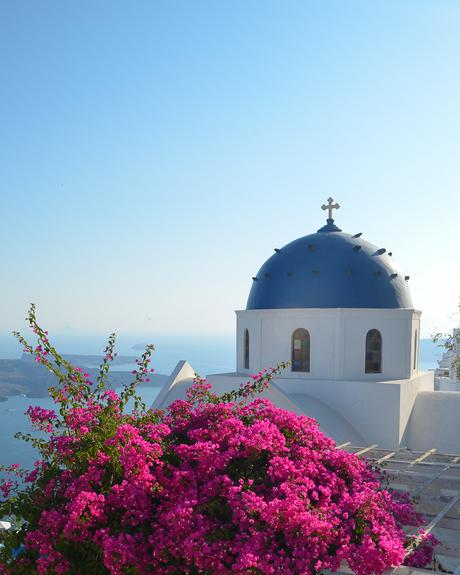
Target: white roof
x=433 y=481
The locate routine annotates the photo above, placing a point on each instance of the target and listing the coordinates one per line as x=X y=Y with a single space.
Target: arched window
x=415 y=349
x=246 y=350
x=300 y=355
x=373 y=351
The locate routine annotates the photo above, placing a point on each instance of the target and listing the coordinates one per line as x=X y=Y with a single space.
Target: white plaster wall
x=378 y=410
x=372 y=408
x=435 y=422
x=446 y=384
x=252 y=324
x=420 y=382
x=180 y=379
x=361 y=412
x=277 y=333
x=375 y=411
x=415 y=351
x=337 y=340
x=331 y=422
x=395 y=329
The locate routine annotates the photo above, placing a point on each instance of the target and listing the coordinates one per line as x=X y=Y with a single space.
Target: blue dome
x=329 y=269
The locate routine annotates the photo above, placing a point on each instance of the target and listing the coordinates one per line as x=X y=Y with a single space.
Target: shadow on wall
x=330 y=421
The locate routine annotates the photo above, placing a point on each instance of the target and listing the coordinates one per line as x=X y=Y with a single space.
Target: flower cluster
x=210 y=486
x=42 y=418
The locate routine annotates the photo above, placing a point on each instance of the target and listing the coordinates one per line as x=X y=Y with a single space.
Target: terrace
x=433 y=480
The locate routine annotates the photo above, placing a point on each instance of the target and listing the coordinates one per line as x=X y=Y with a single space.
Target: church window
x=415 y=349
x=300 y=355
x=246 y=349
x=373 y=351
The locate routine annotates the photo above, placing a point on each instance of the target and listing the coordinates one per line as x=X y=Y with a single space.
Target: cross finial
x=330 y=206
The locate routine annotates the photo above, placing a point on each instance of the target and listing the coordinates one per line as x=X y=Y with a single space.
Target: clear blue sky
x=153 y=153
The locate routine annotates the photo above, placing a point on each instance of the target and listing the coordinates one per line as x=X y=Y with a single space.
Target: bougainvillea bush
x=212 y=485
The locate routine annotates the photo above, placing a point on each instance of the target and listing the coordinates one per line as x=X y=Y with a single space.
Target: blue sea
x=206 y=353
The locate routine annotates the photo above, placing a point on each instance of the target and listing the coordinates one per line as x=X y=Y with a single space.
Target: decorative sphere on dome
x=329 y=269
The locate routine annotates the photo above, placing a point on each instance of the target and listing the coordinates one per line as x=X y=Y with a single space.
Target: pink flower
x=230 y=485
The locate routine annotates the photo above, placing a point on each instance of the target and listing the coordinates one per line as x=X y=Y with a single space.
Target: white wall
x=337 y=340
x=276 y=333
x=372 y=408
x=435 y=422
x=362 y=412
x=415 y=351
x=446 y=384
x=367 y=412
x=378 y=410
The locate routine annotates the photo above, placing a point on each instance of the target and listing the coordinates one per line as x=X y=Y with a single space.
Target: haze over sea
x=206 y=353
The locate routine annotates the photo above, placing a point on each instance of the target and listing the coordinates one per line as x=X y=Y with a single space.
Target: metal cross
x=330 y=206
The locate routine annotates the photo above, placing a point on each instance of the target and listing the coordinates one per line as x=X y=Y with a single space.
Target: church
x=339 y=310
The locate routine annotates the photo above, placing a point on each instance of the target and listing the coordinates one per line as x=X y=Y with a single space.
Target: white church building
x=340 y=311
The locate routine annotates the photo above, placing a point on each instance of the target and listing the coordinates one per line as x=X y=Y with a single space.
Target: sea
x=206 y=353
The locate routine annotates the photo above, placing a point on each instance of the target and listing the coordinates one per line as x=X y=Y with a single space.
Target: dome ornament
x=330 y=206
x=330 y=226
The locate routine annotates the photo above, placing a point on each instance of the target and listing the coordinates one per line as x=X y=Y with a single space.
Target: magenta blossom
x=210 y=486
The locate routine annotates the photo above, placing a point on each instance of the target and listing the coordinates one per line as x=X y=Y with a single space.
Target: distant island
x=26 y=377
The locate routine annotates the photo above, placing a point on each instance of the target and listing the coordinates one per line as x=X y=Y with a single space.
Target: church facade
x=339 y=310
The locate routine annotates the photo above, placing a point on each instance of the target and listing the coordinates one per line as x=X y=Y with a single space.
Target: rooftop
x=433 y=481
x=330 y=269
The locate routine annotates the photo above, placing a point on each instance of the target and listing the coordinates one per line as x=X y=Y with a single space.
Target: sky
x=153 y=153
